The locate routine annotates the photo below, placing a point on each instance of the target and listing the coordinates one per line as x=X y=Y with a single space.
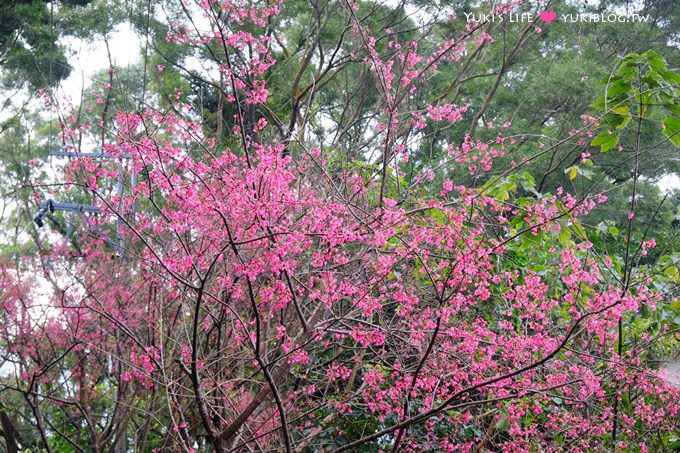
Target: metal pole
x=119 y=220
x=90 y=155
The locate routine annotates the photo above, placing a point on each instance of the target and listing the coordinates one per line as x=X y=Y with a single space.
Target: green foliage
x=642 y=87
x=29 y=41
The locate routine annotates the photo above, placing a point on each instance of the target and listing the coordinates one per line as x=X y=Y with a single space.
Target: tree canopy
x=340 y=226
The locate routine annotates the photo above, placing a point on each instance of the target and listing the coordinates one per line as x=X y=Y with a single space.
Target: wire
x=146 y=50
x=51 y=76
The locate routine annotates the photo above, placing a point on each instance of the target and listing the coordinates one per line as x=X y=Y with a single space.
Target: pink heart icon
x=548 y=16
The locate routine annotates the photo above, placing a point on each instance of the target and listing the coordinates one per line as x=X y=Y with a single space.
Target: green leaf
x=613 y=120
x=628 y=70
x=656 y=61
x=572 y=172
x=621 y=110
x=670 y=76
x=631 y=58
x=578 y=230
x=438 y=215
x=652 y=79
x=606 y=140
x=599 y=103
x=618 y=87
x=672 y=130
x=564 y=235
x=528 y=182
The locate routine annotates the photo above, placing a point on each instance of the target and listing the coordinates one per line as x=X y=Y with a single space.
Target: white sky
x=89 y=58
x=669 y=182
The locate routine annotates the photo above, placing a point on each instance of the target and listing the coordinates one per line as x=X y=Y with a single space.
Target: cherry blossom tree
x=269 y=293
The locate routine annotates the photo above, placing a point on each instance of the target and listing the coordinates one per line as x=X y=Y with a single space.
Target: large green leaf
x=606 y=140
x=672 y=130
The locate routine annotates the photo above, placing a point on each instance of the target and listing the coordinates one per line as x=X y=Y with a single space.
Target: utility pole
x=50 y=206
